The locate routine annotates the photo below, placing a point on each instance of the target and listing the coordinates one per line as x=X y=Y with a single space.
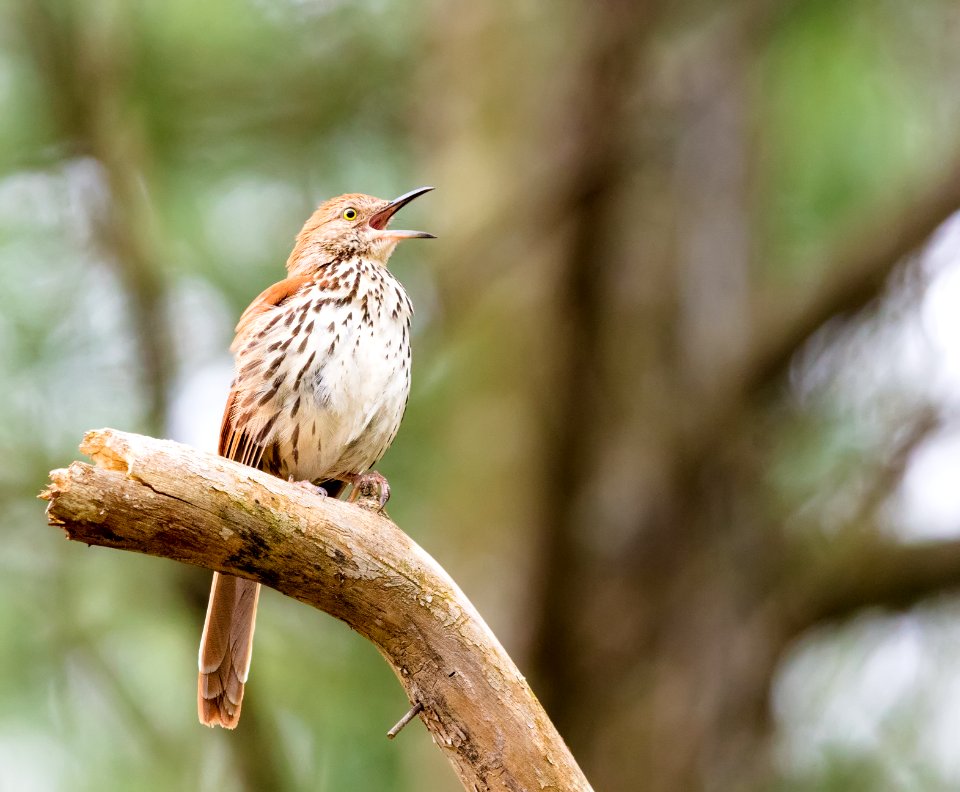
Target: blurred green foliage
x=237 y=118
x=852 y=115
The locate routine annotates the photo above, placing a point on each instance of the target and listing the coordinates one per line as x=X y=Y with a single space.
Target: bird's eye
x=350 y=213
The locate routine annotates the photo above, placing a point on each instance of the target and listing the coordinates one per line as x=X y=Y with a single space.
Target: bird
x=321 y=382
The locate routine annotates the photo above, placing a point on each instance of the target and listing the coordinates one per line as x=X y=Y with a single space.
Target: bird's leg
x=309 y=486
x=369 y=485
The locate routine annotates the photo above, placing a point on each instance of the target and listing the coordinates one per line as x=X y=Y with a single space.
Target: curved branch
x=166 y=499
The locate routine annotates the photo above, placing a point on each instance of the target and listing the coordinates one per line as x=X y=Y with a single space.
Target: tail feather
x=227 y=642
x=225 y=649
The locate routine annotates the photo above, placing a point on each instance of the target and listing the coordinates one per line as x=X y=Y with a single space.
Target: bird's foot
x=370 y=487
x=309 y=486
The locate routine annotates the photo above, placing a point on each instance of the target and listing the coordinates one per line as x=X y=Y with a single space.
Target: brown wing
x=227 y=641
x=235 y=442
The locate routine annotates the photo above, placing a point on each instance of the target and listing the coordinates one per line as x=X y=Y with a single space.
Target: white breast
x=332 y=399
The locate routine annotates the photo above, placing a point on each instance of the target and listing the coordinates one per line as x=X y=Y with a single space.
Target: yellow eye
x=350 y=213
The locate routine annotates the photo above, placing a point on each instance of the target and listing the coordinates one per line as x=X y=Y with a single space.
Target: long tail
x=225 y=649
x=227 y=643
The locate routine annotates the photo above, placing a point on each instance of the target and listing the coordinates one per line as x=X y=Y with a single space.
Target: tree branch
x=165 y=499
x=872 y=573
x=852 y=278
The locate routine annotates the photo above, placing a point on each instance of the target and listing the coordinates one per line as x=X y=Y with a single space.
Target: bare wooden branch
x=165 y=499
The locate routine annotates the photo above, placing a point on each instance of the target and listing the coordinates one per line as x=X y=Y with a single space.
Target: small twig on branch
x=412 y=713
x=165 y=499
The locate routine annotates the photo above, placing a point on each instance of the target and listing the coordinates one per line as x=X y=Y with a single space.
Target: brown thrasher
x=322 y=364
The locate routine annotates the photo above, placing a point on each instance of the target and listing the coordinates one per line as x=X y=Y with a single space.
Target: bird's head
x=352 y=226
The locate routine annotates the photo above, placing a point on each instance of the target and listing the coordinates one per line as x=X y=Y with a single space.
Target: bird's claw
x=370 y=486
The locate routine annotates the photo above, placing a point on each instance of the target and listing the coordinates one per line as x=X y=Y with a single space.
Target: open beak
x=380 y=220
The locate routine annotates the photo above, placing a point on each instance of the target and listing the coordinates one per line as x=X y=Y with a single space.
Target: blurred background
x=685 y=421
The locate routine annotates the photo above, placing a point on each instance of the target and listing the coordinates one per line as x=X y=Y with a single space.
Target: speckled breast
x=332 y=375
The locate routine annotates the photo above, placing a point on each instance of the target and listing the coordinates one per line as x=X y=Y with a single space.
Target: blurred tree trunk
x=651 y=300
x=665 y=586
x=86 y=62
